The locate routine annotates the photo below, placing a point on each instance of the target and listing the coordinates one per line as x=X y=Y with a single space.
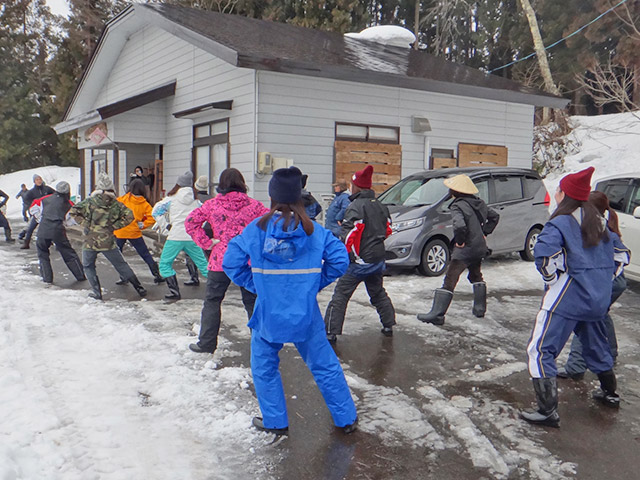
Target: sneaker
x=351 y=428
x=611 y=400
x=332 y=338
x=194 y=347
x=122 y=282
x=257 y=422
x=387 y=331
x=562 y=373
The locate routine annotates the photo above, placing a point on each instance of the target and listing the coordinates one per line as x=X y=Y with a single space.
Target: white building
x=178 y=89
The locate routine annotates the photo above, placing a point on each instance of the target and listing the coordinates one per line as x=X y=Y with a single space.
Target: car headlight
x=406 y=225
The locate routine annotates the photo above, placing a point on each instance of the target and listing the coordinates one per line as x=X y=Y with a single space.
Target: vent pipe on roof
x=393 y=35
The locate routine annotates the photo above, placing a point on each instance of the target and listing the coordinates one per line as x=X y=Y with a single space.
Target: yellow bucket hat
x=461 y=183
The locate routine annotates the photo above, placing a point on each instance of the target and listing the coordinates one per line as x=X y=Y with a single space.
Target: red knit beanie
x=577 y=185
x=362 y=178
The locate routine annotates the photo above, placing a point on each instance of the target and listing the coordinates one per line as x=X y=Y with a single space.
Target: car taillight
x=547 y=199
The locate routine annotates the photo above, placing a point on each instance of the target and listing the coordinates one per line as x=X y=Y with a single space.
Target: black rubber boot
x=155 y=271
x=174 y=290
x=479 y=299
x=7 y=235
x=193 y=272
x=441 y=301
x=25 y=246
x=351 y=427
x=547 y=397
x=97 y=290
x=607 y=394
x=257 y=422
x=138 y=286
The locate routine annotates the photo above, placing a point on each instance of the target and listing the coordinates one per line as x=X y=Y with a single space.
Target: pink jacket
x=228 y=215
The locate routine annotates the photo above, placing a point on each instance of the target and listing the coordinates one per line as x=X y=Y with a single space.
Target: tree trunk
x=416 y=24
x=543 y=62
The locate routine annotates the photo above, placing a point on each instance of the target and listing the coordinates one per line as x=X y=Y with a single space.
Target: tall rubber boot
x=7 y=235
x=441 y=301
x=607 y=394
x=479 y=299
x=97 y=290
x=174 y=290
x=138 y=286
x=155 y=271
x=193 y=272
x=547 y=397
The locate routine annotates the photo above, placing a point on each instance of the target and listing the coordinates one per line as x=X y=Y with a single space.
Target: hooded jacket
x=335 y=212
x=176 y=208
x=227 y=215
x=472 y=221
x=141 y=213
x=100 y=215
x=365 y=226
x=53 y=212
x=288 y=269
x=37 y=192
x=578 y=279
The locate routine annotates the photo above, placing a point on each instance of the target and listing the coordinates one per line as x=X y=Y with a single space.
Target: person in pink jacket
x=227 y=214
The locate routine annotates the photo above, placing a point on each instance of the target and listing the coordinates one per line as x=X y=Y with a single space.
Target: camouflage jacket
x=100 y=215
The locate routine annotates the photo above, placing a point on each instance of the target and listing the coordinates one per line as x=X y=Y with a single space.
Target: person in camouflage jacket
x=100 y=215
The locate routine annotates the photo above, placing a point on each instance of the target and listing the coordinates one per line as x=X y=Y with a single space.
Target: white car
x=624 y=197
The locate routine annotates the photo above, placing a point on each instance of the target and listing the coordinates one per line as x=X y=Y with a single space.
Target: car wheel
x=435 y=258
x=529 y=244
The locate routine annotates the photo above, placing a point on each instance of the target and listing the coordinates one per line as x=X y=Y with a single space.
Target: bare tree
x=541 y=54
x=610 y=83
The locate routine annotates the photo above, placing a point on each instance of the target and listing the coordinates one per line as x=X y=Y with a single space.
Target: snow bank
x=10 y=184
x=610 y=143
x=386 y=34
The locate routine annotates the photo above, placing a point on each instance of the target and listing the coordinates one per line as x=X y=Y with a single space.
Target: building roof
x=281 y=47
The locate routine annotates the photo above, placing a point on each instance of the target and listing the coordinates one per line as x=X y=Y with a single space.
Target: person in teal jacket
x=291 y=259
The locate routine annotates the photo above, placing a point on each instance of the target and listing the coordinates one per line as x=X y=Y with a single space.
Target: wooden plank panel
x=349 y=169
x=342 y=146
x=474 y=155
x=439 y=162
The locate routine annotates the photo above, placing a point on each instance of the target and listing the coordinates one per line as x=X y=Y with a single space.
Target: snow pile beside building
x=610 y=143
x=10 y=183
x=386 y=34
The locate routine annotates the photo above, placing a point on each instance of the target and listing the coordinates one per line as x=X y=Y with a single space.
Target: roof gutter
x=75 y=123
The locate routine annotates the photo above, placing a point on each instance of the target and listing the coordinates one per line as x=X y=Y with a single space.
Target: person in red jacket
x=365 y=226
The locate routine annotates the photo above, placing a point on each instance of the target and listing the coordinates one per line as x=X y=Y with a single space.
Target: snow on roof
x=386 y=34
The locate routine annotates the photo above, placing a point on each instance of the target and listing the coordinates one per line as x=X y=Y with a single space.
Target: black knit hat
x=286 y=185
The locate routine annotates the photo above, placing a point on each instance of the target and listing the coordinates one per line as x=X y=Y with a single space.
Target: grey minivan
x=421 y=221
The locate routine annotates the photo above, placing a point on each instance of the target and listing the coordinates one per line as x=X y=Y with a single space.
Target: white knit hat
x=202 y=183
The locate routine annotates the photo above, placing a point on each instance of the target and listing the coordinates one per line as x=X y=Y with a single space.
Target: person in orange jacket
x=132 y=233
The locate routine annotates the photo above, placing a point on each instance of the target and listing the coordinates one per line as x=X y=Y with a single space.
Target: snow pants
x=217 y=285
x=172 y=249
x=550 y=333
x=575 y=363
x=69 y=256
x=347 y=284
x=324 y=366
x=455 y=269
x=115 y=258
x=140 y=246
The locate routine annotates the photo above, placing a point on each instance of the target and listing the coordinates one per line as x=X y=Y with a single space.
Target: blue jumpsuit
x=578 y=283
x=287 y=270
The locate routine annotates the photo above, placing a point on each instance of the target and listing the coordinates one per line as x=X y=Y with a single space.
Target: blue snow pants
x=575 y=363
x=172 y=249
x=324 y=366
x=550 y=333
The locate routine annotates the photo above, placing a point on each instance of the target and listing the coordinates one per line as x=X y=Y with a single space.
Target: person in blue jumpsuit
x=292 y=259
x=575 y=255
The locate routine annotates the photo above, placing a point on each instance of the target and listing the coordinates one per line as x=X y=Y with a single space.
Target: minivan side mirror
x=636 y=212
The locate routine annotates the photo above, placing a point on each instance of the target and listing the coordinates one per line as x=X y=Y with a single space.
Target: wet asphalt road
x=592 y=443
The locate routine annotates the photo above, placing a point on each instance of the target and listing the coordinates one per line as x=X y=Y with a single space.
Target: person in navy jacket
x=335 y=212
x=575 y=256
x=292 y=259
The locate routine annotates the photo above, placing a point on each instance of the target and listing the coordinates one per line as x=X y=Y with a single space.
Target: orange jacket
x=141 y=213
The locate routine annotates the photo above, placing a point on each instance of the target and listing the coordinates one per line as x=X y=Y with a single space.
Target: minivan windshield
x=415 y=191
